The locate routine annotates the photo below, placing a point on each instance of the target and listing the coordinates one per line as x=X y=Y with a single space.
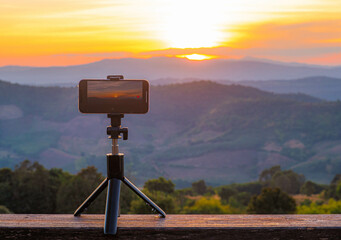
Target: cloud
x=318 y=40
x=86 y=31
x=306 y=34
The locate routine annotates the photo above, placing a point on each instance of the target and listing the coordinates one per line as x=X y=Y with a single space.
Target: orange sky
x=64 y=32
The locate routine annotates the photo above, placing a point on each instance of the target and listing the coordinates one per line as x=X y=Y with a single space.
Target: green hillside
x=198 y=130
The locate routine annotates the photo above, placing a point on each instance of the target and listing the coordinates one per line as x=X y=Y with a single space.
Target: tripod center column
x=114 y=146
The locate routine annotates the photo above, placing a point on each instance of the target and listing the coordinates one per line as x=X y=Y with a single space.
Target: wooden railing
x=267 y=227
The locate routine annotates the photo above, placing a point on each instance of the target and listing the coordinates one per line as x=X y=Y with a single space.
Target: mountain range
x=164 y=70
x=197 y=130
x=326 y=88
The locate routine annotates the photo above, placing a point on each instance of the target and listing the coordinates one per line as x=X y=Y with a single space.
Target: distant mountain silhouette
x=166 y=68
x=321 y=87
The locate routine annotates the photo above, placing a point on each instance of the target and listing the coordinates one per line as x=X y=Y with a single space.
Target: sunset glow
x=45 y=33
x=195 y=56
x=193 y=24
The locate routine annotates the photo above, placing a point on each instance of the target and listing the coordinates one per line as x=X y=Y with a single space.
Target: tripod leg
x=91 y=198
x=144 y=197
x=112 y=206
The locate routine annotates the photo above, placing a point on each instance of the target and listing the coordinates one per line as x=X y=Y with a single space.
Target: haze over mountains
x=221 y=132
x=321 y=87
x=198 y=130
x=165 y=70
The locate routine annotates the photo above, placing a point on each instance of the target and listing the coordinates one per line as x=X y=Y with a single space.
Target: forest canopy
x=31 y=188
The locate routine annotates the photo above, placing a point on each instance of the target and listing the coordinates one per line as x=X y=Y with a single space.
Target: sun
x=197 y=57
x=192 y=24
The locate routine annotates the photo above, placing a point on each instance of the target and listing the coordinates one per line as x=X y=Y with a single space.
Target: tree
x=331 y=191
x=57 y=177
x=225 y=193
x=126 y=198
x=309 y=188
x=165 y=201
x=74 y=191
x=338 y=191
x=288 y=181
x=160 y=184
x=6 y=182
x=199 y=187
x=181 y=197
x=272 y=201
x=161 y=191
x=242 y=199
x=266 y=174
x=336 y=179
x=32 y=189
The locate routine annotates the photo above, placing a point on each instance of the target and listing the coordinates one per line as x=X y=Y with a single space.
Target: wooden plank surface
x=60 y=226
x=172 y=221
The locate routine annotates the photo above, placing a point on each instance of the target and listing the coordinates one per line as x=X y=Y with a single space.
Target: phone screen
x=103 y=92
x=104 y=96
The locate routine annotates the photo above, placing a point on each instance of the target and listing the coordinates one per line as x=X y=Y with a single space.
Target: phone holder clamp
x=115 y=77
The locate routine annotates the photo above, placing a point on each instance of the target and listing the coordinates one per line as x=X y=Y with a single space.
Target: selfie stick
x=115 y=172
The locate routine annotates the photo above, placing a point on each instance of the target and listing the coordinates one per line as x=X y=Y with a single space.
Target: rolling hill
x=198 y=130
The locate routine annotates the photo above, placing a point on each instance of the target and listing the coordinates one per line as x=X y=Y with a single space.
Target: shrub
x=332 y=207
x=207 y=206
x=272 y=201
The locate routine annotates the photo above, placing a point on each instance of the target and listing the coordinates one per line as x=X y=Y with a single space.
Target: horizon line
x=245 y=58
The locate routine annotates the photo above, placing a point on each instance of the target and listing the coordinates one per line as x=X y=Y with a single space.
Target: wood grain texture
x=59 y=226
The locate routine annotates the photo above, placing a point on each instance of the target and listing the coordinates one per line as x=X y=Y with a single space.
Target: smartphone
x=107 y=96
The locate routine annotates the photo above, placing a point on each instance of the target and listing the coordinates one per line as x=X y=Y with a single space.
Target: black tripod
x=115 y=172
